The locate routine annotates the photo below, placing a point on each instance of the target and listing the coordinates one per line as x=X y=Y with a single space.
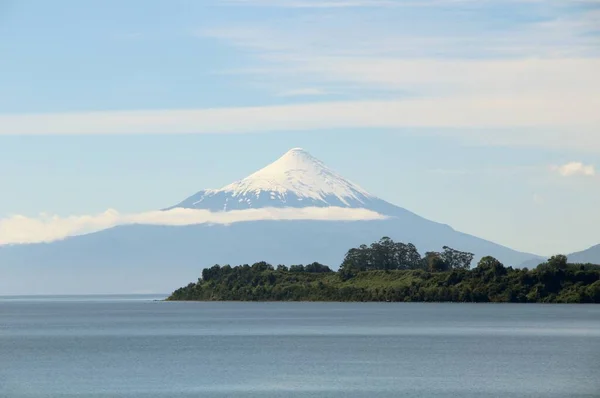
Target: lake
x=132 y=346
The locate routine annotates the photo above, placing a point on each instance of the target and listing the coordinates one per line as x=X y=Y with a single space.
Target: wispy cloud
x=573 y=79
x=303 y=92
x=544 y=70
x=553 y=29
x=552 y=95
x=369 y=3
x=444 y=67
x=490 y=171
x=555 y=52
x=314 y=3
x=566 y=125
x=575 y=169
x=47 y=228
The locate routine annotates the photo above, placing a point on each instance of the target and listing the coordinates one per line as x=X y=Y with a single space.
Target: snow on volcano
x=296 y=179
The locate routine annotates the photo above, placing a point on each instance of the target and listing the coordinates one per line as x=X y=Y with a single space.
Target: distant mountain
x=591 y=255
x=532 y=262
x=145 y=258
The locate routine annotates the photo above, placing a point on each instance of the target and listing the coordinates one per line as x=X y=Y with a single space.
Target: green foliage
x=434 y=262
x=559 y=261
x=383 y=255
x=455 y=259
x=391 y=271
x=317 y=267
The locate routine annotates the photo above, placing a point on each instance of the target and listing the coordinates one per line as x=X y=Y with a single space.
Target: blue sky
x=480 y=114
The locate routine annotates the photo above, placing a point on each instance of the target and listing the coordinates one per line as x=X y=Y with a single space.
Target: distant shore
x=388 y=271
x=467 y=286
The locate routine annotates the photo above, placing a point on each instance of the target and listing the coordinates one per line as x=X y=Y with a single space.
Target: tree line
x=394 y=271
x=389 y=255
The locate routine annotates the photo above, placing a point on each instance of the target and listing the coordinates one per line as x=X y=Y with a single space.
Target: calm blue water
x=118 y=347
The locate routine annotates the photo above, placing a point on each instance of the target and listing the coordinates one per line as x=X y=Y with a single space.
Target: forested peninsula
x=391 y=271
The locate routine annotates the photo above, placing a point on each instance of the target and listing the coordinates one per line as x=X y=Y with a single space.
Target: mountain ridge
x=590 y=255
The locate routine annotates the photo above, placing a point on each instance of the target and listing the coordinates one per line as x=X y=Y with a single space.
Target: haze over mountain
x=591 y=255
x=139 y=258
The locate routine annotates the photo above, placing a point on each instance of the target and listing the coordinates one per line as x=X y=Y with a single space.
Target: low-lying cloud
x=20 y=229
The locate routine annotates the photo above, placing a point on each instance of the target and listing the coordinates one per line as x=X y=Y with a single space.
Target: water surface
x=136 y=347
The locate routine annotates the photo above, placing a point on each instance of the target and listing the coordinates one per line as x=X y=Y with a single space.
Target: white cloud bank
x=575 y=169
x=47 y=228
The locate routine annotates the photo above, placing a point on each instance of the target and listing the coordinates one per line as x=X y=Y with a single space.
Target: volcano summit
x=297 y=179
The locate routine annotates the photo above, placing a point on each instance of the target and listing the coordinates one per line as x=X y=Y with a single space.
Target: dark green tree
x=297 y=268
x=434 y=262
x=490 y=264
x=317 y=267
x=558 y=261
x=383 y=254
x=456 y=259
x=358 y=259
x=211 y=273
x=406 y=256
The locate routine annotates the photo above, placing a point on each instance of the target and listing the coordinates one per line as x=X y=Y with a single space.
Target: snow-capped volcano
x=158 y=257
x=296 y=179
